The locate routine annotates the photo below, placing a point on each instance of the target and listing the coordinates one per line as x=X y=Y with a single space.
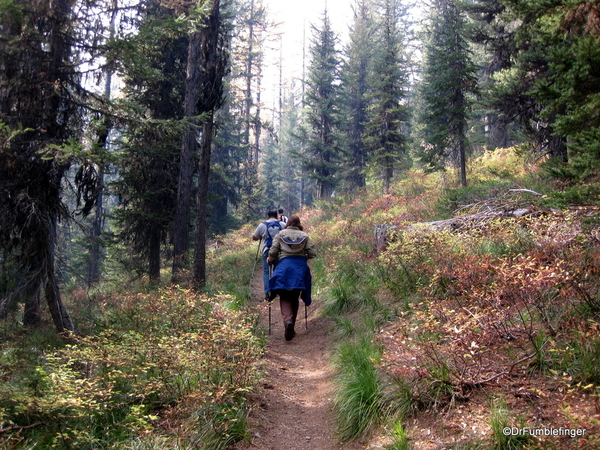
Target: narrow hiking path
x=292 y=409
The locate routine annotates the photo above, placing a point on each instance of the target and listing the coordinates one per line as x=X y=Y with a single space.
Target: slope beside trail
x=292 y=407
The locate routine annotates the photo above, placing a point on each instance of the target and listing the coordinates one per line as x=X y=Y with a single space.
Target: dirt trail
x=293 y=405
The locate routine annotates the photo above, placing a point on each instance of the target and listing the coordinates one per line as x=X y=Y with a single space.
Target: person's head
x=272 y=215
x=294 y=221
x=280 y=211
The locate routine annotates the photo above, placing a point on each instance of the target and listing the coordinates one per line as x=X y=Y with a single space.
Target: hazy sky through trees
x=295 y=19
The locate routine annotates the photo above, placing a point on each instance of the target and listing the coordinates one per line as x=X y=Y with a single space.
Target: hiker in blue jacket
x=291 y=279
x=266 y=232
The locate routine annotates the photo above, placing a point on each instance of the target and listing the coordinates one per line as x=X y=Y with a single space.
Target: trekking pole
x=270 y=275
x=306 y=316
x=254 y=267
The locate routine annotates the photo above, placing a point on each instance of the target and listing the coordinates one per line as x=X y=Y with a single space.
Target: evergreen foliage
x=322 y=155
x=355 y=76
x=570 y=93
x=448 y=81
x=42 y=104
x=490 y=31
x=387 y=113
x=151 y=137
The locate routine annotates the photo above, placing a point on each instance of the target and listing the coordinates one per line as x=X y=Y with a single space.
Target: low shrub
x=161 y=357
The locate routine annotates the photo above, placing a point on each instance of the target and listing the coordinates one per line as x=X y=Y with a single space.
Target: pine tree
x=491 y=32
x=566 y=83
x=354 y=74
x=321 y=158
x=153 y=69
x=226 y=171
x=282 y=183
x=245 y=105
x=384 y=135
x=520 y=41
x=206 y=67
x=41 y=98
x=448 y=80
x=290 y=171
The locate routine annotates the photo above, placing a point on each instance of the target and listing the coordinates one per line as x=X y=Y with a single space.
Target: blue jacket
x=292 y=272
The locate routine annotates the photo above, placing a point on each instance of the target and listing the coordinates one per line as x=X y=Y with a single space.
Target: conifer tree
x=229 y=153
x=354 y=74
x=206 y=66
x=384 y=135
x=42 y=112
x=572 y=92
x=244 y=91
x=448 y=80
x=518 y=35
x=493 y=34
x=322 y=155
x=282 y=183
x=152 y=72
x=558 y=60
x=290 y=171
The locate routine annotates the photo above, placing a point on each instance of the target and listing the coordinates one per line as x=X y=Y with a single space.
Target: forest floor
x=292 y=408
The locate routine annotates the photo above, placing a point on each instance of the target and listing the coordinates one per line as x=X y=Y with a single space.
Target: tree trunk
x=204 y=93
x=182 y=211
x=59 y=314
x=154 y=254
x=199 y=275
x=463 y=163
x=186 y=162
x=96 y=249
x=32 y=314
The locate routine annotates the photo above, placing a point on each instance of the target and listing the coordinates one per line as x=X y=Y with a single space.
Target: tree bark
x=60 y=316
x=154 y=254
x=186 y=162
x=199 y=275
x=204 y=93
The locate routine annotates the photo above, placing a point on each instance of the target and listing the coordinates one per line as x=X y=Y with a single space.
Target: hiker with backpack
x=281 y=216
x=291 y=279
x=266 y=232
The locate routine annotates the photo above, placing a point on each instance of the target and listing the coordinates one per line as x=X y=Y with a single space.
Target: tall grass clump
x=502 y=428
x=350 y=288
x=358 y=400
x=399 y=437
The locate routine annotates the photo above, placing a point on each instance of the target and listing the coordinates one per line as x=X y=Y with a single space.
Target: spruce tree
x=519 y=35
x=566 y=85
x=448 y=80
x=492 y=33
x=153 y=68
x=322 y=155
x=206 y=67
x=385 y=131
x=355 y=86
x=42 y=108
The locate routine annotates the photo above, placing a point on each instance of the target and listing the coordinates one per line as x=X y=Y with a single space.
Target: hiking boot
x=289 y=331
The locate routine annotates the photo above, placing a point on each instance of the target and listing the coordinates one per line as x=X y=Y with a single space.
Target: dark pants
x=288 y=302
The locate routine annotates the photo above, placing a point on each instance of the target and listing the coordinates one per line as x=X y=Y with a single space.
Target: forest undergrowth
x=475 y=332
x=450 y=334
